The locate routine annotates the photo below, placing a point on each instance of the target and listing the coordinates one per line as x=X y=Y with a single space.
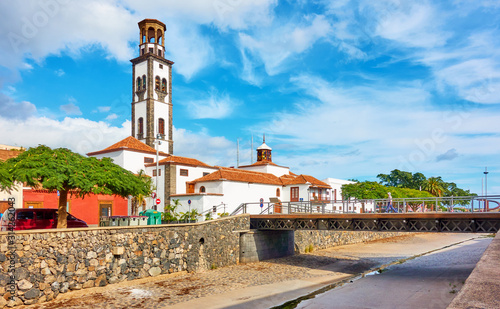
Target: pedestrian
x=389 y=204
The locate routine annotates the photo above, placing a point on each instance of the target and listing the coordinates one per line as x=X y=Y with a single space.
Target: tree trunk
x=62 y=215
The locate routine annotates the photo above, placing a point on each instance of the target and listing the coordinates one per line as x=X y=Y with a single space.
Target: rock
x=24 y=285
x=91 y=255
x=101 y=280
x=3 y=302
x=154 y=271
x=46 y=271
x=88 y=284
x=55 y=286
x=50 y=279
x=31 y=294
x=94 y=262
x=64 y=287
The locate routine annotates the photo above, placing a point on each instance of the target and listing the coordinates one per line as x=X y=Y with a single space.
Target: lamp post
x=158 y=143
x=486 y=188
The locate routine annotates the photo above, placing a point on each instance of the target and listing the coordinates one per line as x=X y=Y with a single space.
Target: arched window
x=159 y=35
x=140 y=126
x=202 y=189
x=143 y=81
x=157 y=83
x=164 y=85
x=143 y=34
x=138 y=84
x=161 y=126
x=151 y=35
x=278 y=192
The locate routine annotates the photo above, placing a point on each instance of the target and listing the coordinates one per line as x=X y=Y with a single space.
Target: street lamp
x=158 y=143
x=485 y=188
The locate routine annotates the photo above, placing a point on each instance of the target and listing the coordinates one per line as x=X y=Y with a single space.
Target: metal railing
x=488 y=203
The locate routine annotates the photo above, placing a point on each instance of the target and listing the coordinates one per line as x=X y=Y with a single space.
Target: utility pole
x=486 y=188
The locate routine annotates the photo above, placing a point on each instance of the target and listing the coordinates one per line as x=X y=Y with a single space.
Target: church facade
x=195 y=184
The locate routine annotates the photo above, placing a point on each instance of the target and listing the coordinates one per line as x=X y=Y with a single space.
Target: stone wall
x=322 y=239
x=55 y=261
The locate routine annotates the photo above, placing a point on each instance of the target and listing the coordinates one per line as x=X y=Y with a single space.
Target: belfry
x=152 y=88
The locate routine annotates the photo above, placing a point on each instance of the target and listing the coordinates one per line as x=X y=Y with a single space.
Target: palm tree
x=434 y=185
x=140 y=199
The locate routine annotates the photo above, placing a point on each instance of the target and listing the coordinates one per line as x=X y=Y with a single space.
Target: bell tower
x=264 y=152
x=152 y=88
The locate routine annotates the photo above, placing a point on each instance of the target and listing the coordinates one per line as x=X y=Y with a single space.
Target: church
x=196 y=185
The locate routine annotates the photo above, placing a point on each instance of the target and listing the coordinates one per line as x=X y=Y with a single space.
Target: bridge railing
x=399 y=205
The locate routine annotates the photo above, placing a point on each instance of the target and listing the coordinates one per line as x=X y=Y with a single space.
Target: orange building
x=89 y=209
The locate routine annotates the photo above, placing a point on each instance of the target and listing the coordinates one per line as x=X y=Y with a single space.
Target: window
x=140 y=126
x=157 y=83
x=164 y=85
x=202 y=189
x=24 y=215
x=278 y=192
x=154 y=172
x=161 y=66
x=161 y=126
x=143 y=81
x=159 y=34
x=294 y=194
x=148 y=160
x=151 y=35
x=159 y=53
x=151 y=50
x=138 y=84
x=205 y=173
x=184 y=172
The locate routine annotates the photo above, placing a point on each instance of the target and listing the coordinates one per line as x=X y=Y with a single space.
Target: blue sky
x=342 y=89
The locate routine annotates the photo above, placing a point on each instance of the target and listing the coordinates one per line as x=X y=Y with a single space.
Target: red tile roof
x=304 y=179
x=234 y=174
x=129 y=143
x=180 y=161
x=7 y=154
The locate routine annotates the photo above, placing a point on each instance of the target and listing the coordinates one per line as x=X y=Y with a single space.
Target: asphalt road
x=429 y=281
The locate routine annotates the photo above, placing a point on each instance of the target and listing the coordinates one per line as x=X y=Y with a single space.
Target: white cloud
x=9 y=108
x=36 y=29
x=274 y=45
x=360 y=130
x=213 y=150
x=71 y=108
x=215 y=106
x=111 y=117
x=78 y=134
x=103 y=109
x=59 y=72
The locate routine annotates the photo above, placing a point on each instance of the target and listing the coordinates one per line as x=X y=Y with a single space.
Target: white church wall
x=194 y=172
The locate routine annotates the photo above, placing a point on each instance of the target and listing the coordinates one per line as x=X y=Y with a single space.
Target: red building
x=89 y=209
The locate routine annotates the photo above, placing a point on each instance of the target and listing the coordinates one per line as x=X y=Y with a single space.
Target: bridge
x=477 y=222
x=472 y=214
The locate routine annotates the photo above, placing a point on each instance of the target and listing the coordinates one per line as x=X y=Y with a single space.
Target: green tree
x=434 y=185
x=69 y=173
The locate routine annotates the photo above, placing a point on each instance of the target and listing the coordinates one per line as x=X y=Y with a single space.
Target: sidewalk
x=257 y=285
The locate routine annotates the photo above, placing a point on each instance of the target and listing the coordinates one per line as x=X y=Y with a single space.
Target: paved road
x=429 y=281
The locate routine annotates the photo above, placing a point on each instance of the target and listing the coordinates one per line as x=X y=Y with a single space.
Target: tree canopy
x=68 y=172
x=417 y=181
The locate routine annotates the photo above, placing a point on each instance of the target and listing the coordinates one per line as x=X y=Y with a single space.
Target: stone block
x=118 y=250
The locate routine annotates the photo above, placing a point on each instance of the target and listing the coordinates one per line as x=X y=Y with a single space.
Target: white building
x=195 y=184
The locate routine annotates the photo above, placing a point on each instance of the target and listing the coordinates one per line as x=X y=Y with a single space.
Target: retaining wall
x=49 y=262
x=322 y=239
